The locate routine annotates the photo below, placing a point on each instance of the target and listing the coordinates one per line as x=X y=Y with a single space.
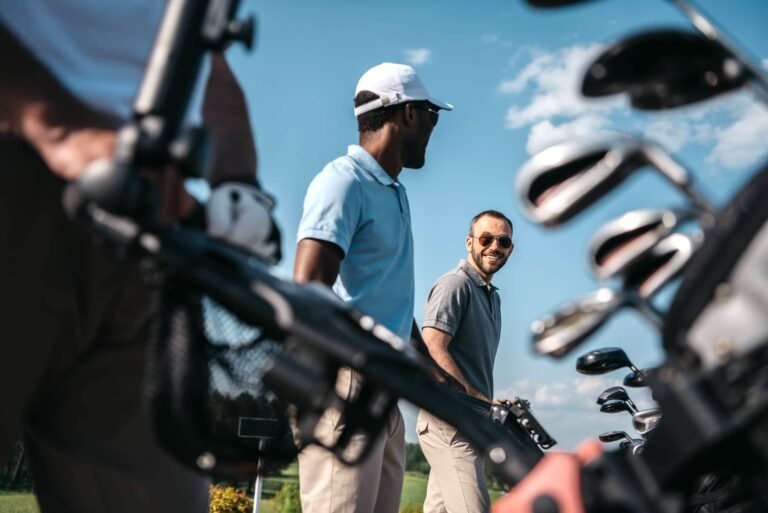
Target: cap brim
x=440 y=105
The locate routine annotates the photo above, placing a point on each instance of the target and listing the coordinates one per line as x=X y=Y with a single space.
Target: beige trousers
x=374 y=486
x=456 y=479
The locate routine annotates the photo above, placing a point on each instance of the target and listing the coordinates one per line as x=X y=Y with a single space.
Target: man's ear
x=468 y=243
x=409 y=114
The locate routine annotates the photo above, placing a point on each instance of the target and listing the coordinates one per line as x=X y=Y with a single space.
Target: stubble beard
x=488 y=267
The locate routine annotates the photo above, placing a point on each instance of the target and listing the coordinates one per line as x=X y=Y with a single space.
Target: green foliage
x=411 y=508
x=287 y=499
x=492 y=480
x=225 y=499
x=415 y=460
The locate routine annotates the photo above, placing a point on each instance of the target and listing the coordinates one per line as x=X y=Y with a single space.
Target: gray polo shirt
x=462 y=304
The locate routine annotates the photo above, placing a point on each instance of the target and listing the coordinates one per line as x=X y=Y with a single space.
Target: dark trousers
x=73 y=334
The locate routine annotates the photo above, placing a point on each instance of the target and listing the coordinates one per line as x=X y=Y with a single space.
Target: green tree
x=415 y=460
x=287 y=499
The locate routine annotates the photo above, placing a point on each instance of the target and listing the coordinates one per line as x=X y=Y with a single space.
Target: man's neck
x=384 y=147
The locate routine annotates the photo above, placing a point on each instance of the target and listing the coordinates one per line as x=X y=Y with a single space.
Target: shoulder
x=453 y=281
x=338 y=177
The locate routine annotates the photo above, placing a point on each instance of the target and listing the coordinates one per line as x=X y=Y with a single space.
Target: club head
x=616 y=407
x=662 y=69
x=639 y=380
x=661 y=264
x=614 y=394
x=645 y=421
x=561 y=181
x=618 y=244
x=558 y=333
x=601 y=361
x=614 y=436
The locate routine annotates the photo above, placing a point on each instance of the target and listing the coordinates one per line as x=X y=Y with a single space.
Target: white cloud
x=544 y=134
x=672 y=133
x=417 y=56
x=555 y=78
x=742 y=142
x=726 y=131
x=489 y=38
x=568 y=409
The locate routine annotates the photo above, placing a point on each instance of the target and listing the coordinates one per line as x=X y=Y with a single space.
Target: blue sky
x=511 y=72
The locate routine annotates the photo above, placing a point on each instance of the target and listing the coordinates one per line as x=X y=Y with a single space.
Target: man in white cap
x=355 y=235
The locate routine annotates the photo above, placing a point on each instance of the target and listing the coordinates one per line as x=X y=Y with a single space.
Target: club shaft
x=707 y=26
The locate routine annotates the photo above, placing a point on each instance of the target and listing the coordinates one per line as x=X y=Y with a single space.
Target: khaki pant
x=456 y=479
x=374 y=486
x=73 y=334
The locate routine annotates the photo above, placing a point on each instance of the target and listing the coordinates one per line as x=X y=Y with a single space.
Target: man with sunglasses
x=461 y=329
x=355 y=235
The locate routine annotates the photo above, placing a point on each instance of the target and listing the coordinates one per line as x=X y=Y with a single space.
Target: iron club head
x=616 y=394
x=614 y=436
x=616 y=407
x=662 y=263
x=620 y=243
x=557 y=334
x=645 y=421
x=560 y=182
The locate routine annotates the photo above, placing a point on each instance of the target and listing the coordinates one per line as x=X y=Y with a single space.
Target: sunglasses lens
x=486 y=240
x=434 y=116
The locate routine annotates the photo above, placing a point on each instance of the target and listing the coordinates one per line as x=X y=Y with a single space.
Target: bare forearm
x=226 y=113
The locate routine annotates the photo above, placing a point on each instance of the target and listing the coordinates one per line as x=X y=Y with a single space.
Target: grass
x=414 y=489
x=18 y=503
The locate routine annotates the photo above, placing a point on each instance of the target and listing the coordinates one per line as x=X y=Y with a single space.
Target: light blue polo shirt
x=356 y=205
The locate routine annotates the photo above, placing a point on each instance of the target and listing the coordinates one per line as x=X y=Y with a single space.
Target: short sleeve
x=446 y=304
x=332 y=208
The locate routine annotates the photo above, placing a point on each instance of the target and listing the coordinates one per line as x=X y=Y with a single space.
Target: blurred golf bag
x=205 y=369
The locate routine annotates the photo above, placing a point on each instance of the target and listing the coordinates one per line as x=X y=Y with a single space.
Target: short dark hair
x=374 y=119
x=491 y=213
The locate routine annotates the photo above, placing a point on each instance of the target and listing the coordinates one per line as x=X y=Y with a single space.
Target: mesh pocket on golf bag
x=208 y=405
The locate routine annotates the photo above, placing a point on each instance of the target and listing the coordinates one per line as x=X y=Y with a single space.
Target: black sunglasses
x=487 y=239
x=434 y=114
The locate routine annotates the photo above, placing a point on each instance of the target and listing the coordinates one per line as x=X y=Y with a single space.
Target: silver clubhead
x=620 y=243
x=563 y=180
x=645 y=421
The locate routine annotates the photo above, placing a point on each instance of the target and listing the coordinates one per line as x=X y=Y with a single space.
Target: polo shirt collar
x=474 y=275
x=370 y=165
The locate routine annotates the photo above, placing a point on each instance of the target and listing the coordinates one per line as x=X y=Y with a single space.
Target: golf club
x=620 y=243
x=645 y=421
x=615 y=436
x=663 y=69
x=604 y=360
x=616 y=407
x=638 y=380
x=616 y=393
x=561 y=181
x=558 y=333
x=745 y=66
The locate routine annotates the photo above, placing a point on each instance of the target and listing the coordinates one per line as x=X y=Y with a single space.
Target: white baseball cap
x=394 y=83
